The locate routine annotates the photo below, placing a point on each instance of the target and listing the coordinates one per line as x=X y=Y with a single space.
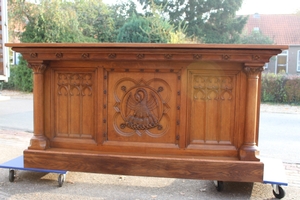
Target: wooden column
x=249 y=150
x=38 y=141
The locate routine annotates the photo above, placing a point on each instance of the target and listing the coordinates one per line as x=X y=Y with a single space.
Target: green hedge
x=280 y=88
x=20 y=78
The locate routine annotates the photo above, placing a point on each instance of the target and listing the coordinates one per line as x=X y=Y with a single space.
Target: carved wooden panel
x=74 y=104
x=212 y=108
x=142 y=106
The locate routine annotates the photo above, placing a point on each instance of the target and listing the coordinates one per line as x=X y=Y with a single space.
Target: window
x=266 y=65
x=298 y=60
x=282 y=62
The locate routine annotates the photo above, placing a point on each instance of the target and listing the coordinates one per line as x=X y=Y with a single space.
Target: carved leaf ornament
x=141 y=108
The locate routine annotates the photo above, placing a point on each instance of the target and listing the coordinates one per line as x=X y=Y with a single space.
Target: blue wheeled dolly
x=18 y=164
x=274 y=174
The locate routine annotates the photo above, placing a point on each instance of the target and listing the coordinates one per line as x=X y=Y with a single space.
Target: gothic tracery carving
x=79 y=84
x=212 y=88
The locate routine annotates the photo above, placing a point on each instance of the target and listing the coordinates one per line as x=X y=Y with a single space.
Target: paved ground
x=30 y=185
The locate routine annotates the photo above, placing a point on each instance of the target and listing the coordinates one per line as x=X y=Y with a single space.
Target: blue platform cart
x=274 y=174
x=18 y=164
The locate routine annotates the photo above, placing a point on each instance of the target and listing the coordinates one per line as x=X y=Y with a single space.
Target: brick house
x=283 y=29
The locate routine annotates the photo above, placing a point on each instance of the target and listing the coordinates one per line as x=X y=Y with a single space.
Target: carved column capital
x=253 y=72
x=37 y=67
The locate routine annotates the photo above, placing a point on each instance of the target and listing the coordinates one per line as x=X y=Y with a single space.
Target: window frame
x=298 y=61
x=283 y=53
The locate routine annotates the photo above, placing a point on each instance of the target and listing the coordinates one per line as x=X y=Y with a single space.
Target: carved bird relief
x=141 y=110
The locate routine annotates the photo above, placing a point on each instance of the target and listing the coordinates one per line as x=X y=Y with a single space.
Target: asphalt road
x=17 y=114
x=279 y=138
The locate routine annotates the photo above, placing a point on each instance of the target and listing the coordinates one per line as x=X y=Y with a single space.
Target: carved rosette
x=168 y=56
x=197 y=56
x=226 y=57
x=253 y=72
x=37 y=68
x=59 y=55
x=140 y=56
x=85 y=55
x=33 y=55
x=255 y=57
x=112 y=56
x=142 y=107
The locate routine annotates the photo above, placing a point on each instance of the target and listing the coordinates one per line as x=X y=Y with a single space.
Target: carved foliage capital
x=37 y=68
x=253 y=72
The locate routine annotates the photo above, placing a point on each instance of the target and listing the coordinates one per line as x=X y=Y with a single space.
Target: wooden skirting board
x=147 y=165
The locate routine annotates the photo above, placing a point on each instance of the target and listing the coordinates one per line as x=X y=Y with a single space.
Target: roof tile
x=281 y=28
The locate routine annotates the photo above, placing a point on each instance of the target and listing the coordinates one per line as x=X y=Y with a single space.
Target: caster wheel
x=61 y=180
x=280 y=193
x=219 y=185
x=11 y=176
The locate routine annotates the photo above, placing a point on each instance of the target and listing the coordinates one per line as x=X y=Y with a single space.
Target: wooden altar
x=184 y=111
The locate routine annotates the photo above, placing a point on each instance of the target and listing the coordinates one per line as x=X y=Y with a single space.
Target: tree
x=144 y=30
x=150 y=28
x=56 y=21
x=122 y=13
x=256 y=37
x=63 y=21
x=210 y=21
x=95 y=20
x=135 y=31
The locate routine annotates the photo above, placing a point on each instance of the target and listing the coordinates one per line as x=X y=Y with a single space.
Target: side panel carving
x=212 y=107
x=142 y=107
x=74 y=105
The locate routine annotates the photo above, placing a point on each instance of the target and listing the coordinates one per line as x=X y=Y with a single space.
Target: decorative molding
x=168 y=56
x=140 y=56
x=37 y=68
x=33 y=55
x=112 y=56
x=255 y=57
x=207 y=87
x=197 y=56
x=85 y=55
x=59 y=55
x=226 y=57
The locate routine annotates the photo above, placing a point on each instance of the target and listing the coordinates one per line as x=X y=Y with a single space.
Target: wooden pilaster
x=38 y=141
x=249 y=150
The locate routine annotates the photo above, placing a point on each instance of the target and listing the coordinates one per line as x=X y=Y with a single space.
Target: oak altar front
x=184 y=111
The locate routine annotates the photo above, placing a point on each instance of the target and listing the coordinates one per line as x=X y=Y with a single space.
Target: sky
x=269 y=7
x=262 y=6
